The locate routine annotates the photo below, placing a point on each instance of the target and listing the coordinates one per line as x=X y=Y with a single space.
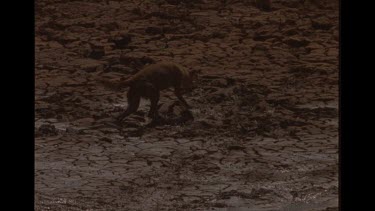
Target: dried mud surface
x=265 y=128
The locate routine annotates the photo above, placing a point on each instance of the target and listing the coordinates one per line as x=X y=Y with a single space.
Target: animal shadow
x=184 y=117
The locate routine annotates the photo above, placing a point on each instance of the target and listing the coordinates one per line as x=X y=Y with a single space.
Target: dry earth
x=265 y=129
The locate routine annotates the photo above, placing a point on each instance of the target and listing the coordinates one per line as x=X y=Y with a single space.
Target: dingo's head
x=189 y=80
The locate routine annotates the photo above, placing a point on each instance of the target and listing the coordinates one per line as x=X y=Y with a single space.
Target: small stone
x=122 y=41
x=47 y=130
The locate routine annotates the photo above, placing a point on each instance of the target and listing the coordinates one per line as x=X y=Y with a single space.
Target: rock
x=47 y=130
x=322 y=23
x=122 y=41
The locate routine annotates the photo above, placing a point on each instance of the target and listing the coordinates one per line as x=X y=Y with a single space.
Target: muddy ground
x=264 y=132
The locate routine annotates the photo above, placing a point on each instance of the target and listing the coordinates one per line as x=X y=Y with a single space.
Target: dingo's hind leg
x=133 y=104
x=154 y=104
x=177 y=92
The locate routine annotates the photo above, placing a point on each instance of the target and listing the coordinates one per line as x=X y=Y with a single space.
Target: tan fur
x=148 y=83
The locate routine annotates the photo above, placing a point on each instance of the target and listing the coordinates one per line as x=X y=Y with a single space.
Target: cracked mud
x=263 y=131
